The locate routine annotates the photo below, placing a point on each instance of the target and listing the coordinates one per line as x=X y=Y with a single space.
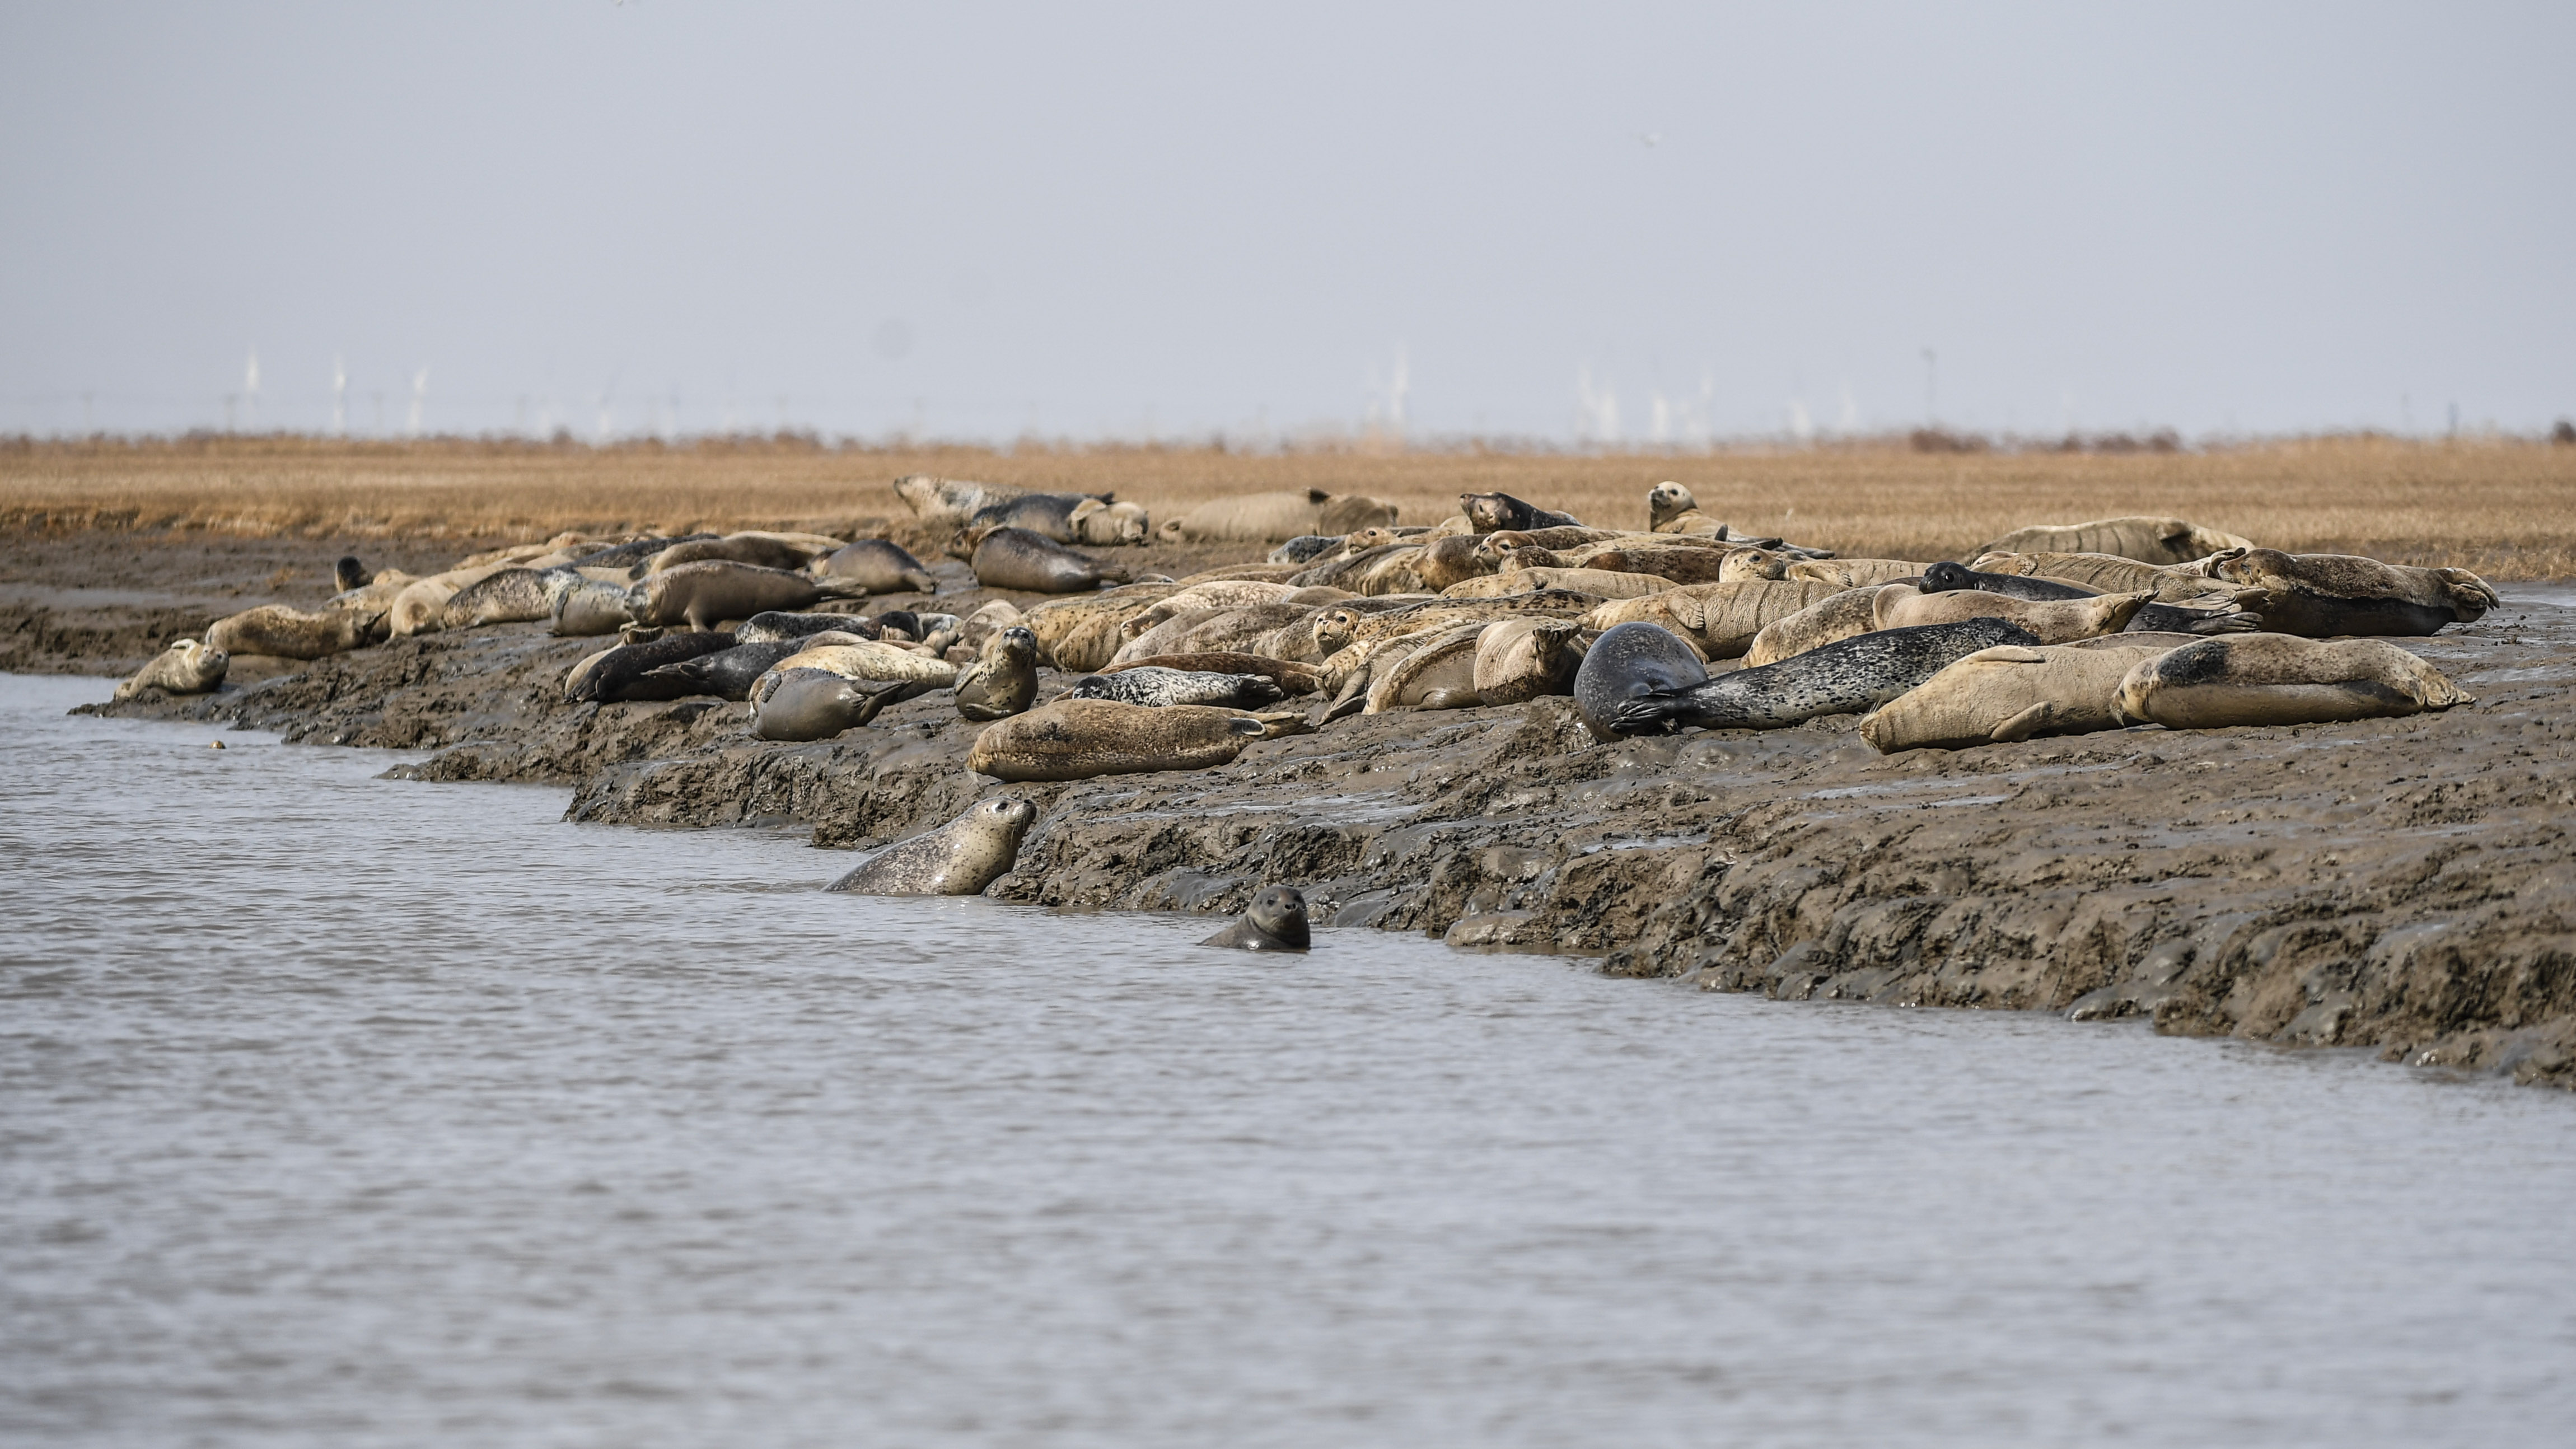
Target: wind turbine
x=250 y=389
x=419 y=396
x=339 y=396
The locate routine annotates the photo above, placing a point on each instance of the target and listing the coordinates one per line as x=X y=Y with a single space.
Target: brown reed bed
x=2506 y=509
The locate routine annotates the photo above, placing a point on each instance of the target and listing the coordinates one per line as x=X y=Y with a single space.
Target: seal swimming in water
x=876 y=566
x=1014 y=558
x=959 y=858
x=1844 y=677
x=186 y=667
x=1491 y=512
x=2278 y=679
x=1161 y=688
x=1076 y=739
x=275 y=629
x=1627 y=663
x=1003 y=680
x=1276 y=921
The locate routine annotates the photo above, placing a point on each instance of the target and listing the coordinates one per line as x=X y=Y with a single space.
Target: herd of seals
x=1684 y=624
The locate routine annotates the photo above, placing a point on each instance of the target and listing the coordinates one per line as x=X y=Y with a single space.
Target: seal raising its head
x=1276 y=922
x=1003 y=680
x=186 y=667
x=960 y=858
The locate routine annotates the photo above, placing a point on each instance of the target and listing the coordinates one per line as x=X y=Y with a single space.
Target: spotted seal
x=1014 y=558
x=186 y=667
x=949 y=502
x=1941 y=578
x=511 y=596
x=1003 y=680
x=1291 y=678
x=2279 y=679
x=778 y=624
x=1276 y=921
x=2056 y=621
x=584 y=607
x=1161 y=688
x=876 y=566
x=762 y=550
x=1844 y=677
x=1305 y=548
x=1067 y=518
x=1077 y=739
x=726 y=673
x=275 y=629
x=1627 y=663
x=959 y=858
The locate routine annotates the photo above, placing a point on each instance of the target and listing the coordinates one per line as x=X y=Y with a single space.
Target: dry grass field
x=2506 y=509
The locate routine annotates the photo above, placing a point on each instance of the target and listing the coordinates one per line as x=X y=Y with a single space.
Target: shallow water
x=337 y=1110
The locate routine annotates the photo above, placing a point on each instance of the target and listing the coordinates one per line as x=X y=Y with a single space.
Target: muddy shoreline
x=2406 y=885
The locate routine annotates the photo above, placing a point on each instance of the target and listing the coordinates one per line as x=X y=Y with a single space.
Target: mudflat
x=2402 y=885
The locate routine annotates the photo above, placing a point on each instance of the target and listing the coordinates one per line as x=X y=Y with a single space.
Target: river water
x=337 y=1110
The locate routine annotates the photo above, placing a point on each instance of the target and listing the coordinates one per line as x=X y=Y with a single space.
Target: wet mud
x=2406 y=886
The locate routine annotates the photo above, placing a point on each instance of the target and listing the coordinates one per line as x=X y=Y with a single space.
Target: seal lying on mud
x=349 y=574
x=1003 y=680
x=1276 y=921
x=2148 y=540
x=2324 y=594
x=776 y=625
x=2276 y=679
x=1521 y=659
x=1076 y=739
x=1999 y=696
x=186 y=667
x=726 y=673
x=510 y=596
x=1305 y=548
x=949 y=502
x=275 y=629
x=763 y=550
x=1291 y=678
x=959 y=858
x=1670 y=508
x=1627 y=663
x=1276 y=517
x=1014 y=558
x=798 y=705
x=1840 y=678
x=1067 y=518
x=603 y=676
x=1162 y=688
x=2057 y=621
x=585 y=607
x=706 y=594
x=876 y=566
x=2155 y=618
x=1490 y=512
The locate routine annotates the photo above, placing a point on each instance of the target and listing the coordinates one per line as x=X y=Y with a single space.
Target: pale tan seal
x=876 y=566
x=2104 y=573
x=2057 y=621
x=275 y=629
x=1596 y=583
x=421 y=606
x=1209 y=630
x=1670 y=508
x=186 y=667
x=1681 y=563
x=1077 y=739
x=1291 y=678
x=703 y=595
x=1520 y=659
x=2148 y=540
x=1438 y=672
x=2278 y=679
x=1840 y=614
x=1854 y=573
x=1276 y=517
x=1720 y=620
x=2015 y=692
x=949 y=502
x=1003 y=680
x=2325 y=594
x=959 y=858
x=1081 y=632
x=763 y=550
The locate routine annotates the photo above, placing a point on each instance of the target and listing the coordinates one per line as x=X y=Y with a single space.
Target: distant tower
x=339 y=397
x=419 y=396
x=250 y=390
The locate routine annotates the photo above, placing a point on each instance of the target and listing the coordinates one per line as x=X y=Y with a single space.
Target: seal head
x=1275 y=922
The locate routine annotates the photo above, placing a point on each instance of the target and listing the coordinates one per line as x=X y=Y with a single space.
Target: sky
x=1597 y=223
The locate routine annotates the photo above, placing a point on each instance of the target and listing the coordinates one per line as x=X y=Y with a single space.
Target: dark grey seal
x=726 y=674
x=1629 y=662
x=1276 y=922
x=632 y=555
x=1014 y=558
x=960 y=858
x=606 y=677
x=349 y=574
x=1494 y=512
x=1158 y=686
x=1950 y=578
x=1304 y=548
x=877 y=566
x=1844 y=677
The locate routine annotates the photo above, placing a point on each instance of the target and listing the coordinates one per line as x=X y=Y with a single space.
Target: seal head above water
x=1275 y=922
x=959 y=858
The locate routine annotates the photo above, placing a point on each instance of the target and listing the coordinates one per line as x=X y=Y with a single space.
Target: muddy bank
x=2407 y=886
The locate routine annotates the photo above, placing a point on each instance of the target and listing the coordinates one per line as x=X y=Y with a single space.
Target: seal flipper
x=2023 y=725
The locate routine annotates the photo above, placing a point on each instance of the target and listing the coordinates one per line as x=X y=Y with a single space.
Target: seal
x=2012 y=693
x=286 y=633
x=1489 y=512
x=1670 y=508
x=1438 y=672
x=1844 y=677
x=1721 y=620
x=1219 y=630
x=1596 y=583
x=1291 y=678
x=631 y=555
x=603 y=675
x=774 y=625
x=2058 y=621
x=1854 y=573
x=1014 y=558
x=1081 y=632
x=1003 y=680
x=761 y=550
x=2278 y=679
x=585 y=607
x=949 y=502
x=1214 y=594
x=959 y=858
x=1446 y=562
x=349 y=574
x=1941 y=578
x=2173 y=583
x=1160 y=688
x=1305 y=548
x=876 y=566
x=1066 y=518
x=421 y=606
x=186 y=667
x=802 y=704
x=703 y=595
x=2324 y=594
x=2148 y=540
x=1520 y=659
x=1630 y=662
x=871 y=661
x=1276 y=517
x=1077 y=739
x=1840 y=614
x=510 y=596
x=1681 y=563
x=1276 y=921
x=726 y=674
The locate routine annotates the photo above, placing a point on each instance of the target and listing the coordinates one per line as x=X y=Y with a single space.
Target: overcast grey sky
x=1089 y=221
